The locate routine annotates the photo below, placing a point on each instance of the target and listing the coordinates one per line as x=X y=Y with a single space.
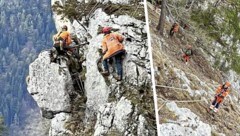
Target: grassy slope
x=166 y=57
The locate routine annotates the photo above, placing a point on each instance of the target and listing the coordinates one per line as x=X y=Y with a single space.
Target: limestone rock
x=50 y=84
x=188 y=124
x=111 y=106
x=58 y=125
x=114 y=115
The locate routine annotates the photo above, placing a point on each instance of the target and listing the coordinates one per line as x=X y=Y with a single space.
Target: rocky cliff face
x=186 y=91
x=50 y=85
x=111 y=107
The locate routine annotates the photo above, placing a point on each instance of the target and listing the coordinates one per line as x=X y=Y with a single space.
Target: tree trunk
x=161 y=22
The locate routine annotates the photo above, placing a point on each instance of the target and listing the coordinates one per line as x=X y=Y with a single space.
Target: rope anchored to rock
x=170 y=87
x=165 y=101
x=178 y=101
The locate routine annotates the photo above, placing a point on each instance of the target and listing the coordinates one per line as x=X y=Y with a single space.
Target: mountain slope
x=107 y=107
x=189 y=89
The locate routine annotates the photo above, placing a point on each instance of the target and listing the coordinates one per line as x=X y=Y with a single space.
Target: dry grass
x=165 y=57
x=166 y=115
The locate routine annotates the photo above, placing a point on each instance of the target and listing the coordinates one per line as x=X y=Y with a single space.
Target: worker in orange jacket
x=221 y=92
x=174 y=29
x=62 y=39
x=112 y=47
x=187 y=52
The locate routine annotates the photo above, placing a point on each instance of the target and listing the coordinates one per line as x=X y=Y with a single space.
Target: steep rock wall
x=112 y=107
x=50 y=85
x=101 y=91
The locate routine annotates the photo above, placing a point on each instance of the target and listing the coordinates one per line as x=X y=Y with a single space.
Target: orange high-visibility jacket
x=223 y=94
x=65 y=35
x=111 y=45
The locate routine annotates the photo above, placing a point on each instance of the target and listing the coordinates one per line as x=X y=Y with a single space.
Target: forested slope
x=26 y=27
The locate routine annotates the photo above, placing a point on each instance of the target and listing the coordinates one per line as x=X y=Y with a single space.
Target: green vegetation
x=26 y=27
x=222 y=21
x=2 y=127
x=78 y=10
x=154 y=2
x=218 y=21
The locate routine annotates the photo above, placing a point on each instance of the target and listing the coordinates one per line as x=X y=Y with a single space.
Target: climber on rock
x=112 y=48
x=62 y=40
x=221 y=92
x=187 y=52
x=174 y=29
x=65 y=43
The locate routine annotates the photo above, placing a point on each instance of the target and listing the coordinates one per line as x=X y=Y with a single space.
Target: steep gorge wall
x=136 y=77
x=112 y=107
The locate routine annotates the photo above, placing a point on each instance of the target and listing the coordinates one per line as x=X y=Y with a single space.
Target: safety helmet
x=65 y=27
x=227 y=84
x=106 y=29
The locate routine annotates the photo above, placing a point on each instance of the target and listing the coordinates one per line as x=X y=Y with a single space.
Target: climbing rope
x=179 y=101
x=163 y=86
x=165 y=101
x=182 y=101
x=187 y=101
x=82 y=86
x=78 y=81
x=91 y=11
x=162 y=106
x=135 y=10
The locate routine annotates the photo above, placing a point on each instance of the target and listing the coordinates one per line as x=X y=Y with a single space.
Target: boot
x=118 y=78
x=211 y=107
x=105 y=73
x=215 y=110
x=69 y=53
